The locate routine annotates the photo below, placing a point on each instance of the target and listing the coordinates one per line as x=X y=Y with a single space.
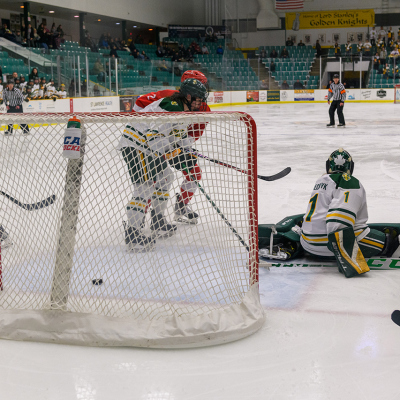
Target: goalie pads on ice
x=344 y=246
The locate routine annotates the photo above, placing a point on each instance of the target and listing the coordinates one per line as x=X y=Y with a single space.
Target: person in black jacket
x=13 y=99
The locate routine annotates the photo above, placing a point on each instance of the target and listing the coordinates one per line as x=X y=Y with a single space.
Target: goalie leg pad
x=349 y=257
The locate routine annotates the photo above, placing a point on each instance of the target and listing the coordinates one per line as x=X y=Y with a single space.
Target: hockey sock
x=189 y=187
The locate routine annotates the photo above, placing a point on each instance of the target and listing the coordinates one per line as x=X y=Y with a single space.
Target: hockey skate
x=330 y=125
x=4 y=238
x=136 y=241
x=159 y=226
x=184 y=214
x=341 y=125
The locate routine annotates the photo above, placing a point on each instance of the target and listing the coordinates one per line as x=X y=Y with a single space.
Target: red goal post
x=396 y=94
x=68 y=277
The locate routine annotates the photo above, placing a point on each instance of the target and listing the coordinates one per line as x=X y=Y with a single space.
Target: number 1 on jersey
x=346 y=196
x=313 y=202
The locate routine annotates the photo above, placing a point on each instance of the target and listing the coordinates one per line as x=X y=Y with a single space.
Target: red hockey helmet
x=193 y=74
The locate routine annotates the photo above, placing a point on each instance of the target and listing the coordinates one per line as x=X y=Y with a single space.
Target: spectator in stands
x=43 y=36
x=318 y=49
x=159 y=52
x=263 y=54
x=29 y=36
x=376 y=62
x=382 y=34
x=289 y=41
x=390 y=36
x=272 y=66
x=394 y=54
x=36 y=38
x=103 y=44
x=300 y=43
x=90 y=43
x=337 y=50
x=15 y=76
x=284 y=85
x=273 y=54
x=349 y=50
x=145 y=56
x=209 y=37
x=196 y=48
x=385 y=71
x=163 y=67
x=214 y=37
x=34 y=73
x=284 y=53
x=204 y=49
x=98 y=69
x=18 y=38
x=367 y=49
x=113 y=50
x=372 y=36
x=176 y=57
x=298 y=85
x=96 y=90
x=60 y=32
x=264 y=84
x=220 y=50
x=382 y=56
x=360 y=48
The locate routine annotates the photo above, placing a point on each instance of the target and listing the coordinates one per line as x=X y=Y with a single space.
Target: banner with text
x=329 y=19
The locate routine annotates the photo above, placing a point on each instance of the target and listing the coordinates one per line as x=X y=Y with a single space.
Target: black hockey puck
x=97 y=282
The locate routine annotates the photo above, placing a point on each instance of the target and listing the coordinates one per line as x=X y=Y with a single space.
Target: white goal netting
x=69 y=270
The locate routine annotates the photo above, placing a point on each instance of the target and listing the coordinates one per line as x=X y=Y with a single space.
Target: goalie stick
x=275 y=177
x=396 y=317
x=34 y=206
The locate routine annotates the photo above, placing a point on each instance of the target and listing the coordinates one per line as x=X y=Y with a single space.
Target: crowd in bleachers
x=34 y=87
x=32 y=37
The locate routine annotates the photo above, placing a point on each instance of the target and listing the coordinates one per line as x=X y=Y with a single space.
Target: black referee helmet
x=336 y=76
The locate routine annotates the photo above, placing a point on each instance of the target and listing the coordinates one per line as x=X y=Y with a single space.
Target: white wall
x=152 y=12
x=262 y=38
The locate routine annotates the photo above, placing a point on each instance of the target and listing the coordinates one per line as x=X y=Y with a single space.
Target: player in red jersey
x=146 y=99
x=188 y=187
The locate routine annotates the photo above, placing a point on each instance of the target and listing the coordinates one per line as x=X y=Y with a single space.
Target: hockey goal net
x=68 y=275
x=396 y=94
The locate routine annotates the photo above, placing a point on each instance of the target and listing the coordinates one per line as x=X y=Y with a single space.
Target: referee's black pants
x=15 y=110
x=335 y=105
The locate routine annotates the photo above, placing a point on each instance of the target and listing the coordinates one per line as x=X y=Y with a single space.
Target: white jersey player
x=61 y=92
x=336 y=220
x=51 y=89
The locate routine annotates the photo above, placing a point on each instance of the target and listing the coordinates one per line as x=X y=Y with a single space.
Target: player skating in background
x=145 y=150
x=336 y=91
x=183 y=211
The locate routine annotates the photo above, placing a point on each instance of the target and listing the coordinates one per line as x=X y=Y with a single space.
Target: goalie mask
x=195 y=88
x=340 y=161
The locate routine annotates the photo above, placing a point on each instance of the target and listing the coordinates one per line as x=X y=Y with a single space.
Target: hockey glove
x=54 y=98
x=27 y=100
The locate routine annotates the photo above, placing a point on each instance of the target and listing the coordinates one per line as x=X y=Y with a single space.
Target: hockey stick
x=396 y=317
x=29 y=207
x=275 y=177
x=186 y=169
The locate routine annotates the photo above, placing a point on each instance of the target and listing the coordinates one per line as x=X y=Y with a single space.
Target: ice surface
x=326 y=337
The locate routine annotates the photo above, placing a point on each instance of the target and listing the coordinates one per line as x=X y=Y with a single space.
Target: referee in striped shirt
x=338 y=92
x=13 y=99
